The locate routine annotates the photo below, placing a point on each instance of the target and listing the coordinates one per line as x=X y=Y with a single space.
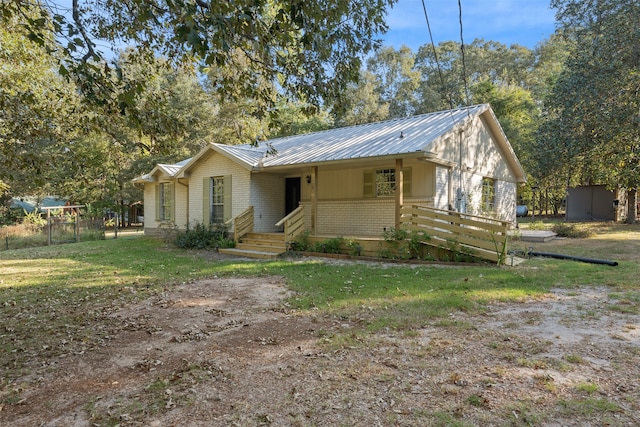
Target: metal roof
x=403 y=136
x=391 y=137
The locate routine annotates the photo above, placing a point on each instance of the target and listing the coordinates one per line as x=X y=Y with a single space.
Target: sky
x=523 y=22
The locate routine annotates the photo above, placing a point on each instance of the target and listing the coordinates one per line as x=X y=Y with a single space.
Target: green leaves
x=594 y=105
x=278 y=38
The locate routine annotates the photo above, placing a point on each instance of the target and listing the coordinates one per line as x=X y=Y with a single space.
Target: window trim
x=488 y=201
x=385 y=178
x=165 y=201
x=216 y=200
x=208 y=199
x=370 y=183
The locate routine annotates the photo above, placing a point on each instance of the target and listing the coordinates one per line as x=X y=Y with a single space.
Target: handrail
x=293 y=225
x=485 y=237
x=243 y=224
x=290 y=215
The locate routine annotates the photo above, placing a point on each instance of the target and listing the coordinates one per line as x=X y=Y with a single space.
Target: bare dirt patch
x=228 y=351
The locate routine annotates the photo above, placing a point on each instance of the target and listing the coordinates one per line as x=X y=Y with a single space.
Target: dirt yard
x=226 y=352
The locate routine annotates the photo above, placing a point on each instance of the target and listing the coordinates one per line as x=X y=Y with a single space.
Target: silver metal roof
x=172 y=170
x=391 y=137
x=404 y=136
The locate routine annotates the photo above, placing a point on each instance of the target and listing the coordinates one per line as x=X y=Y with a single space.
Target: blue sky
x=525 y=22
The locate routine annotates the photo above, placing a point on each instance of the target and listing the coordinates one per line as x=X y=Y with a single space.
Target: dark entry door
x=292 y=196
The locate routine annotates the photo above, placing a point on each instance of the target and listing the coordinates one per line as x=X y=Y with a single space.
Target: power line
x=464 y=67
x=435 y=55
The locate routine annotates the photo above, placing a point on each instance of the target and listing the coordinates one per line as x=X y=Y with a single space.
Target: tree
x=38 y=109
x=293 y=118
x=517 y=113
x=308 y=47
x=396 y=79
x=594 y=107
x=445 y=72
x=364 y=103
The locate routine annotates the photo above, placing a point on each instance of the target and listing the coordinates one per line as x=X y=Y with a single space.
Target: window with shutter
x=217 y=199
x=382 y=183
x=164 y=201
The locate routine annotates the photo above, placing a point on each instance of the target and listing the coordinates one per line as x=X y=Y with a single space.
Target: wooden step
x=258 y=245
x=261 y=247
x=248 y=253
x=264 y=238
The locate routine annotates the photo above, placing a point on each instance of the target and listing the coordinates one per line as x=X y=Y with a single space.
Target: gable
x=480 y=147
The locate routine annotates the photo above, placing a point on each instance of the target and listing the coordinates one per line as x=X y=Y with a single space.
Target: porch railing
x=483 y=237
x=293 y=225
x=243 y=224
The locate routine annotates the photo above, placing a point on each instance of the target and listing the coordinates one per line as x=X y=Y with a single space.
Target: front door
x=292 y=194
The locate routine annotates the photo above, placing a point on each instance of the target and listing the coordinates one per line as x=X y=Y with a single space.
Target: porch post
x=399 y=191
x=314 y=199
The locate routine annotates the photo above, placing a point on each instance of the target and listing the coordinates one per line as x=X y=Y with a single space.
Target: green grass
x=57 y=300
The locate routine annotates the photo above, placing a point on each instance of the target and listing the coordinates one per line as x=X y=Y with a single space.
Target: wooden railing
x=483 y=237
x=243 y=224
x=293 y=225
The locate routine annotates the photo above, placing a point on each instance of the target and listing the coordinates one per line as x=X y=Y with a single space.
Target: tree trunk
x=632 y=206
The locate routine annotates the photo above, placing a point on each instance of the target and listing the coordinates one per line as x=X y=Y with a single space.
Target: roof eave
x=339 y=162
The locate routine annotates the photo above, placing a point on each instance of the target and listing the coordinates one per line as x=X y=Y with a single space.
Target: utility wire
x=435 y=55
x=464 y=67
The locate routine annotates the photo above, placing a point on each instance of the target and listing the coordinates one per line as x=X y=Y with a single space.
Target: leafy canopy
x=308 y=48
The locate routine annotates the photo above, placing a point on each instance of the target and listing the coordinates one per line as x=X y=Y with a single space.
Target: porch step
x=248 y=253
x=258 y=245
x=275 y=240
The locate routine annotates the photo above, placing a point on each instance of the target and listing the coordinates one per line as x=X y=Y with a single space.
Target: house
x=350 y=181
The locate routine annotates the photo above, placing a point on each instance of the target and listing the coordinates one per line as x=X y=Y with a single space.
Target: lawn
x=64 y=303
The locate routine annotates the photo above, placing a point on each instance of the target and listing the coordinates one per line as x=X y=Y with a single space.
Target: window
x=488 y=194
x=385 y=182
x=164 y=201
x=382 y=183
x=217 y=200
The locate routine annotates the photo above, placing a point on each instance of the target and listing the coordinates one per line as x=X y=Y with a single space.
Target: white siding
x=181 y=200
x=268 y=200
x=180 y=197
x=150 y=207
x=441 y=199
x=478 y=156
x=218 y=165
x=506 y=195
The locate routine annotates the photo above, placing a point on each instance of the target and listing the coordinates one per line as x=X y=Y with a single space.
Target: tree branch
x=90 y=45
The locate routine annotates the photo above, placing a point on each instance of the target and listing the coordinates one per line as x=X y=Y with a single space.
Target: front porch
x=423 y=232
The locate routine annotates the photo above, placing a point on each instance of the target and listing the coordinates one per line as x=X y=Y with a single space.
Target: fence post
x=49 y=227
x=77 y=226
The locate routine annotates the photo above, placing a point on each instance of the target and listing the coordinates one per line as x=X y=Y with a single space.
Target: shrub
x=402 y=243
x=569 y=230
x=34 y=218
x=202 y=236
x=537 y=225
x=302 y=243
x=329 y=246
x=395 y=234
x=355 y=248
